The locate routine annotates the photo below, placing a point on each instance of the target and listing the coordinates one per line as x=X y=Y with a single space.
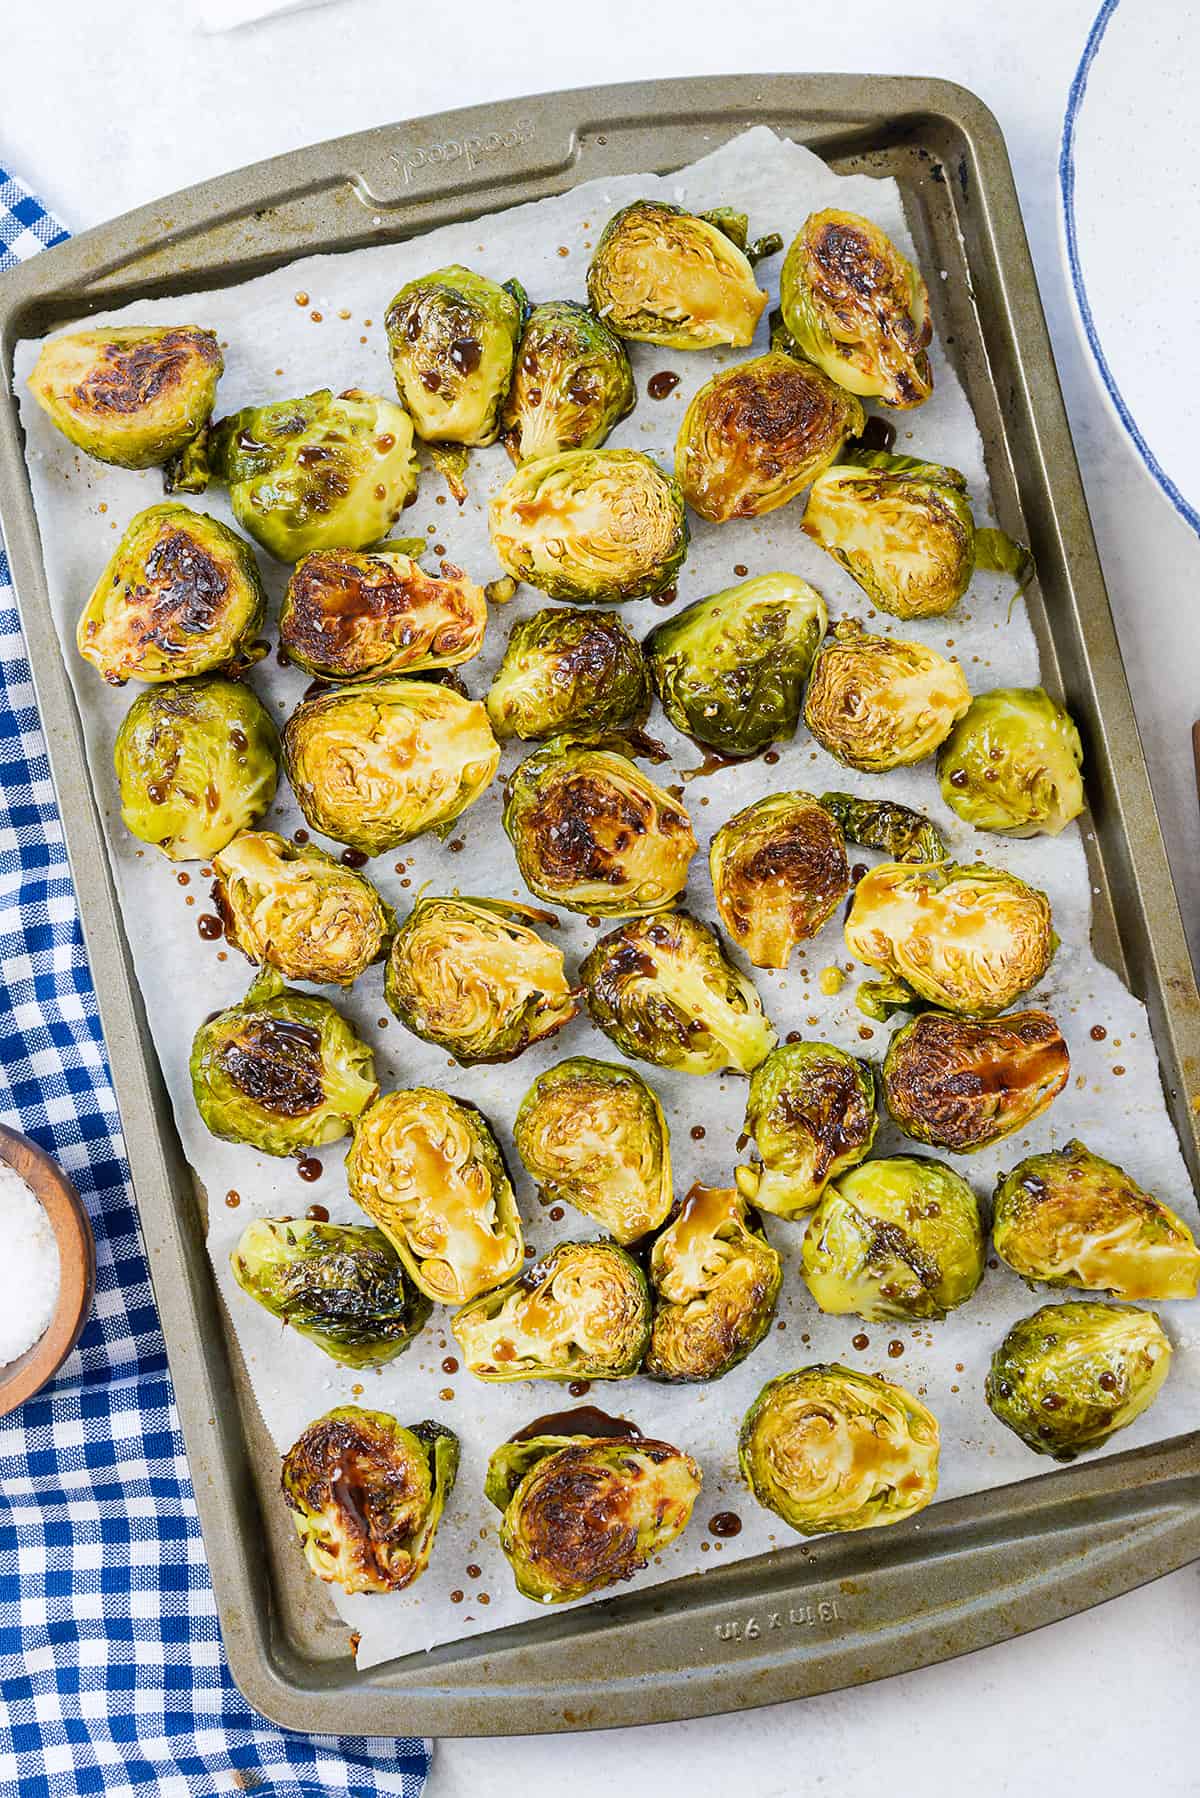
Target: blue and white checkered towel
x=112 y=1675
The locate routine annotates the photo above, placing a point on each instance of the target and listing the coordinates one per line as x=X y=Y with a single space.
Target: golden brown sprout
x=877 y=702
x=662 y=275
x=962 y=1083
x=349 y=616
x=1069 y=1376
x=811 y=1114
x=298 y=910
x=779 y=872
x=572 y=383
x=132 y=395
x=716 y=1280
x=581 y=1312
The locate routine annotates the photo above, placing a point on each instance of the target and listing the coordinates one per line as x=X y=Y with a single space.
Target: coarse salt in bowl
x=47 y=1269
x=30 y=1267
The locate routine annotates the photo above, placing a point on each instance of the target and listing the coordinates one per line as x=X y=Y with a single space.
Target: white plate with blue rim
x=1129 y=177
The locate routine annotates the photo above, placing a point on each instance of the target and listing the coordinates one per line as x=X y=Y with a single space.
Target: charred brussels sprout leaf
x=858 y=309
x=1070 y=1218
x=593 y=833
x=572 y=383
x=581 y=1312
x=902 y=834
x=902 y=529
x=716 y=1279
x=661 y=275
x=296 y=909
x=340 y=1285
x=452 y=336
x=827 y=1448
x=663 y=991
x=132 y=395
x=567 y=670
x=377 y=764
x=282 y=1071
x=349 y=617
x=811 y=1114
x=730 y=670
x=1011 y=764
x=427 y=1170
x=471 y=976
x=779 y=873
x=1068 y=1377
x=962 y=1083
x=591 y=526
x=876 y=702
x=366 y=1496
x=592 y=1134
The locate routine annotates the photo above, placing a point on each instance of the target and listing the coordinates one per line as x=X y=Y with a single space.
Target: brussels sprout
x=1068 y=1377
x=196 y=762
x=756 y=434
x=321 y=472
x=298 y=910
x=581 y=1312
x=962 y=1083
x=592 y=1134
x=877 y=702
x=471 y=976
x=969 y=939
x=452 y=337
x=572 y=383
x=593 y=833
x=1011 y=764
x=779 y=872
x=426 y=1168
x=567 y=670
x=902 y=834
x=663 y=991
x=730 y=669
x=858 y=308
x=377 y=764
x=811 y=1114
x=827 y=1448
x=716 y=1281
x=1070 y=1218
x=350 y=617
x=367 y=1494
x=181 y=596
x=132 y=395
x=592 y=526
x=282 y=1070
x=341 y=1285
x=662 y=275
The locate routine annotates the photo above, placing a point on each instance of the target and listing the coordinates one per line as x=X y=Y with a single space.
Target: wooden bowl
x=77 y=1257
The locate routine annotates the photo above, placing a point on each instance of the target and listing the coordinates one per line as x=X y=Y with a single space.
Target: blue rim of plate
x=1066 y=179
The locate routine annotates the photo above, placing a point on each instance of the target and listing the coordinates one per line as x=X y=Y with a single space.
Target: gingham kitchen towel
x=112 y=1675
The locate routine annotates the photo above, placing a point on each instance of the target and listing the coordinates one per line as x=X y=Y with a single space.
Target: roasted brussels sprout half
x=730 y=669
x=811 y=1115
x=341 y=1285
x=367 y=1494
x=1071 y=1375
x=377 y=764
x=858 y=308
x=662 y=275
x=593 y=833
x=779 y=872
x=196 y=762
x=756 y=434
x=348 y=616
x=969 y=939
x=321 y=472
x=1011 y=764
x=297 y=909
x=1070 y=1218
x=716 y=1279
x=962 y=1083
x=902 y=834
x=591 y=526
x=452 y=336
x=572 y=383
x=282 y=1070
x=181 y=596
x=568 y=670
x=900 y=1236
x=426 y=1168
x=827 y=1448
x=581 y=1312
x=663 y=991
x=876 y=702
x=132 y=395
x=592 y=1134
x=471 y=976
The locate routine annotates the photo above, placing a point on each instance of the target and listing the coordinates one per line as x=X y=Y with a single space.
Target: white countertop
x=106 y=108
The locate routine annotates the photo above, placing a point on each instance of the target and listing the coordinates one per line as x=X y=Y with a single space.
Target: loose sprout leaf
x=1002 y=554
x=904 y=835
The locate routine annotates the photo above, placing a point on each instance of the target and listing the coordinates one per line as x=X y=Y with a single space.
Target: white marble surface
x=104 y=110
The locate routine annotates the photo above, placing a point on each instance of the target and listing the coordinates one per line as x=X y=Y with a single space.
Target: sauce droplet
x=456 y=1597
x=353 y=858
x=771 y=757
x=667 y=597
x=309 y=1168
x=1098 y=1033
x=209 y=926
x=450 y=1365
x=317 y=1214
x=473 y=1572
x=861 y=1341
x=556 y=1214
x=895 y=1347
x=233 y=1199
x=698 y=1132
x=585 y=1420
x=578 y=1388
x=740 y=569
x=183 y=879
x=661 y=384
x=877 y=434
x=725 y=1523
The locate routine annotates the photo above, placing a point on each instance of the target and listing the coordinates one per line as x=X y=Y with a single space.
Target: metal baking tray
x=810 y=1618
